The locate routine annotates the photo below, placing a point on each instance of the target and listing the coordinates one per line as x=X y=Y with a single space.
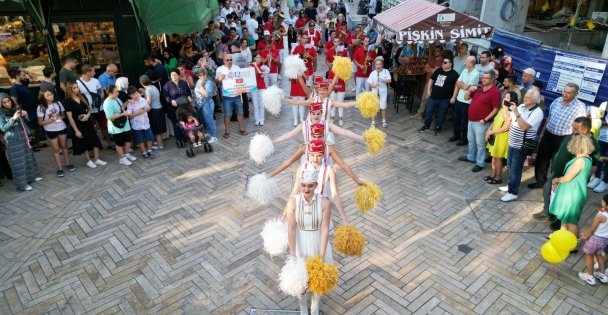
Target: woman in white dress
x=308 y=219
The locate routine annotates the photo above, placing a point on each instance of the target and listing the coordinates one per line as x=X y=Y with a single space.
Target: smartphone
x=506 y=103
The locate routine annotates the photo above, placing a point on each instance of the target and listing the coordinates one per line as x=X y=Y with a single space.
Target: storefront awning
x=422 y=21
x=175 y=16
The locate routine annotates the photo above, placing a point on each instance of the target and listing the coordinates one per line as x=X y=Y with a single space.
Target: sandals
x=226 y=135
x=494 y=181
x=487 y=178
x=243 y=132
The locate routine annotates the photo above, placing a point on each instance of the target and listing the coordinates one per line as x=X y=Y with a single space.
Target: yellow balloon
x=552 y=255
x=563 y=241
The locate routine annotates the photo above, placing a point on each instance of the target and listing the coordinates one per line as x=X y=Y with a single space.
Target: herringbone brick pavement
x=177 y=236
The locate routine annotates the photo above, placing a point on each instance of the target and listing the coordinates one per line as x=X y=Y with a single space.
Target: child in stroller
x=191 y=127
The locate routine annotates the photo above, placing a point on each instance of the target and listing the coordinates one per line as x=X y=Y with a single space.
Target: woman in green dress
x=571 y=189
x=500 y=130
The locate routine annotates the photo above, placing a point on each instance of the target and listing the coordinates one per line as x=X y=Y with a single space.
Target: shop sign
x=432 y=35
x=240 y=81
x=587 y=72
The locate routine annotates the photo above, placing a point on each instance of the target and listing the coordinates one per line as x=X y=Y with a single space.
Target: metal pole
x=571 y=31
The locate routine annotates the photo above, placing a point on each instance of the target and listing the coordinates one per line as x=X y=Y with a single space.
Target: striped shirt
x=562 y=116
x=533 y=117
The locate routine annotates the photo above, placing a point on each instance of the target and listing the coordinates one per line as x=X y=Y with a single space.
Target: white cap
x=266 y=33
x=222 y=20
x=310 y=176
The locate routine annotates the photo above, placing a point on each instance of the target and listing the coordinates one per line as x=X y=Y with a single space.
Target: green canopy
x=175 y=16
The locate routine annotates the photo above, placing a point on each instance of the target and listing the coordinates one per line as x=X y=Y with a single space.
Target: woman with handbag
x=118 y=125
x=525 y=121
x=51 y=114
x=176 y=92
x=85 y=138
x=18 y=147
x=497 y=138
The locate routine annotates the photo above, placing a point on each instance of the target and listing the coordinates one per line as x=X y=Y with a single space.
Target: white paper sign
x=587 y=72
x=240 y=81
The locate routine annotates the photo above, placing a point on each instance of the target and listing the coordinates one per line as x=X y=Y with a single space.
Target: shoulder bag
x=528 y=146
x=121 y=121
x=95 y=98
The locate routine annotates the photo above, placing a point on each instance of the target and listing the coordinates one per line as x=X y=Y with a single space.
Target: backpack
x=378 y=6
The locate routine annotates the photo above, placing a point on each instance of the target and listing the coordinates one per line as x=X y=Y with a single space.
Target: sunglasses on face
x=228 y=59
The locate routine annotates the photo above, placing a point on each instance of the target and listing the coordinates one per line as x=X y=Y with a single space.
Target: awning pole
x=571 y=30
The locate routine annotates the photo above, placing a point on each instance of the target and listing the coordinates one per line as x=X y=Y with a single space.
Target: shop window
x=22 y=45
x=91 y=43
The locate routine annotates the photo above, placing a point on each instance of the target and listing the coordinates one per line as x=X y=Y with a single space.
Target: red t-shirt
x=296 y=89
x=301 y=23
x=329 y=45
x=279 y=43
x=314 y=37
x=261 y=46
x=331 y=54
x=268 y=27
x=340 y=85
x=309 y=65
x=298 y=50
x=259 y=78
x=483 y=102
x=274 y=67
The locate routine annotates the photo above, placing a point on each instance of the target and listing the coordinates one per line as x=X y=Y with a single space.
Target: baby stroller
x=183 y=112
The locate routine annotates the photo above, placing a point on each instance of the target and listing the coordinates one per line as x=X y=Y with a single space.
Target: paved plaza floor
x=176 y=235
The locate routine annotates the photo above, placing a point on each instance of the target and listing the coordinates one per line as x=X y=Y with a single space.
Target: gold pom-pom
x=322 y=277
x=367 y=196
x=349 y=240
x=368 y=104
x=374 y=138
x=342 y=67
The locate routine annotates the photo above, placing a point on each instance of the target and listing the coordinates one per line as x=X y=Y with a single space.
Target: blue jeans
x=432 y=104
x=205 y=112
x=602 y=165
x=476 y=135
x=232 y=103
x=515 y=163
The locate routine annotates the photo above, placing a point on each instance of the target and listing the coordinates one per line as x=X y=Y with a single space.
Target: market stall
x=419 y=21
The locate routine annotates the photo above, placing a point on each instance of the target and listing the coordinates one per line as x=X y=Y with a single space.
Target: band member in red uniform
x=337 y=49
x=270 y=57
x=298 y=91
x=301 y=22
x=309 y=55
x=314 y=36
x=360 y=58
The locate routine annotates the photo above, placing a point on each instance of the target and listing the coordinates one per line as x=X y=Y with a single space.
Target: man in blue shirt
x=108 y=77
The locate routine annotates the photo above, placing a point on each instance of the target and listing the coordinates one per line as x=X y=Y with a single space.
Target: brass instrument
x=342 y=35
x=276 y=35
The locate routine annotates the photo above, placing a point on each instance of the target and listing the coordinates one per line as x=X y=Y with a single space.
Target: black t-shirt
x=443 y=83
x=388 y=47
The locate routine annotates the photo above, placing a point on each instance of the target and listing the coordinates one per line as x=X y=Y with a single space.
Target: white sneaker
x=124 y=161
x=295 y=123
x=602 y=277
x=508 y=197
x=601 y=187
x=38 y=179
x=594 y=182
x=212 y=140
x=100 y=162
x=91 y=164
x=130 y=157
x=196 y=144
x=340 y=122
x=590 y=280
x=27 y=188
x=503 y=188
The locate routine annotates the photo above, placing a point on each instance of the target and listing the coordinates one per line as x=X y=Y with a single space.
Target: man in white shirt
x=468 y=77
x=226 y=9
x=372 y=8
x=379 y=80
x=231 y=102
x=461 y=57
x=91 y=88
x=252 y=26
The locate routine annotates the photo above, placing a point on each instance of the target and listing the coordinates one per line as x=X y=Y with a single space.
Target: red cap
x=316 y=107
x=317 y=129
x=317 y=79
x=316 y=146
x=324 y=85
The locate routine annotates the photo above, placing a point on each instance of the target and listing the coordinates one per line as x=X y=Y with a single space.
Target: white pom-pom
x=262 y=188
x=271 y=98
x=260 y=148
x=294 y=66
x=293 y=278
x=274 y=236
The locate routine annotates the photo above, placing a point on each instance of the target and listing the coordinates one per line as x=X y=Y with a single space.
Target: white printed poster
x=587 y=72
